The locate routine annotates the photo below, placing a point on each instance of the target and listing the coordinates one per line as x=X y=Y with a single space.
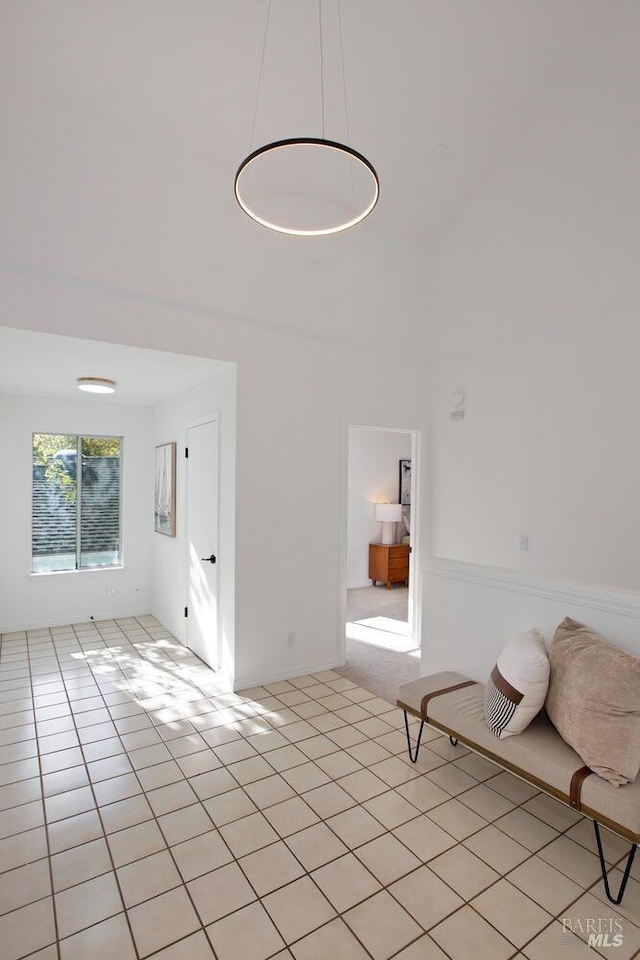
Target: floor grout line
x=70 y=679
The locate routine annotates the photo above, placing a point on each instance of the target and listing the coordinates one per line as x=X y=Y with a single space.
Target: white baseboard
x=98 y=616
x=258 y=680
x=360 y=583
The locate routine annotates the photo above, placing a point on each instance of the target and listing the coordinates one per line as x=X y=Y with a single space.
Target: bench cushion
x=539 y=755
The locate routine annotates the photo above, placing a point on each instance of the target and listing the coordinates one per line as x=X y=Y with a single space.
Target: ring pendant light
x=336 y=148
x=307 y=142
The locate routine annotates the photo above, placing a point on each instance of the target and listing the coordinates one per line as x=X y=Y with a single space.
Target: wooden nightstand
x=389 y=563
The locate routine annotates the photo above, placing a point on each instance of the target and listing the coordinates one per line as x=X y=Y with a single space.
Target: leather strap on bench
x=576 y=786
x=438 y=693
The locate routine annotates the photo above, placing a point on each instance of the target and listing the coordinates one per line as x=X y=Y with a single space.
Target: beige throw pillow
x=594 y=701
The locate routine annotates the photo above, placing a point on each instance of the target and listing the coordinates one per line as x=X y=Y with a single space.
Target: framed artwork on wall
x=404 y=492
x=165 y=490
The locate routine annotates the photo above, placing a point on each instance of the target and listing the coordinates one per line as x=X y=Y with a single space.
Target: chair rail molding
x=616 y=600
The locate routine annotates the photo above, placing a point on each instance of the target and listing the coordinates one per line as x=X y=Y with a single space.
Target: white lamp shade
x=388 y=512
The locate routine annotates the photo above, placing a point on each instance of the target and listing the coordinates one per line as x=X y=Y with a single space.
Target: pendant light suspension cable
x=260 y=72
x=321 y=67
x=344 y=92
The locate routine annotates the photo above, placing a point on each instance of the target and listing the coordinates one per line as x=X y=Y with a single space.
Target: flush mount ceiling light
x=307 y=186
x=96 y=385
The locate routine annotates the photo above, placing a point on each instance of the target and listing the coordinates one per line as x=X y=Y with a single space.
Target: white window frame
x=74 y=571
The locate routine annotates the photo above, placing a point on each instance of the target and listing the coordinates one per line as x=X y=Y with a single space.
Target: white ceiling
x=45 y=365
x=123 y=122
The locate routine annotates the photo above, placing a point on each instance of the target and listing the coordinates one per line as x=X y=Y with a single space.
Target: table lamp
x=389 y=514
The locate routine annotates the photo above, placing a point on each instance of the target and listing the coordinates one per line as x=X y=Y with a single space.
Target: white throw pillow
x=516 y=690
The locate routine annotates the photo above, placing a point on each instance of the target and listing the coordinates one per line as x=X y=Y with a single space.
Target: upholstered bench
x=454 y=705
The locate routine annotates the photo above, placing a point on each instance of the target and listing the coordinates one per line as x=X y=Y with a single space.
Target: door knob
x=211 y=559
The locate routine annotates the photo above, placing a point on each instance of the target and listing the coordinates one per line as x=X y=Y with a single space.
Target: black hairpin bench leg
x=413 y=756
x=454 y=741
x=603 y=867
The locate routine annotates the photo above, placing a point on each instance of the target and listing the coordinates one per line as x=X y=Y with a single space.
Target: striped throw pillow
x=516 y=689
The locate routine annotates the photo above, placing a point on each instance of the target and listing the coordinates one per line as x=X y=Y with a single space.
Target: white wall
x=537 y=311
x=374 y=457
x=217 y=395
x=537 y=317
x=28 y=600
x=473 y=609
x=295 y=402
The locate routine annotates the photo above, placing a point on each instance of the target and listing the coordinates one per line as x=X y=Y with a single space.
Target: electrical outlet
x=456 y=415
x=523 y=543
x=111 y=591
x=291 y=639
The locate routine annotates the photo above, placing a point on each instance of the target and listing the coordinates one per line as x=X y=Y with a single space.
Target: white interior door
x=202 y=541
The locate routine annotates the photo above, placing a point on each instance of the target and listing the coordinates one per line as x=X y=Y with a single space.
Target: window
x=76 y=502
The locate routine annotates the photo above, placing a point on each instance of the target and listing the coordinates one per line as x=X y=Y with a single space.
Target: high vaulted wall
x=537 y=318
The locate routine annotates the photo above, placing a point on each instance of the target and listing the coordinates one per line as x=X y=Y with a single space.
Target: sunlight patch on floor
x=382 y=632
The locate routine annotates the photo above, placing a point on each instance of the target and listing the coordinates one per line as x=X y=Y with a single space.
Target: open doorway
x=382 y=631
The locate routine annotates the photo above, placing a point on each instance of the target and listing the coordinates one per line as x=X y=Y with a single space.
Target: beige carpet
x=381 y=670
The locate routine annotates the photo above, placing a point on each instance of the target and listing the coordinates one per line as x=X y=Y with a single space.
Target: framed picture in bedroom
x=404 y=492
x=165 y=490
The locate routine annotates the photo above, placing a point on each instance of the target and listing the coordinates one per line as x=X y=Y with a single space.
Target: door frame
x=210 y=418
x=415 y=573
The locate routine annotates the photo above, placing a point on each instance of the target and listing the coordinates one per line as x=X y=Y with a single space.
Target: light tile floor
x=146 y=813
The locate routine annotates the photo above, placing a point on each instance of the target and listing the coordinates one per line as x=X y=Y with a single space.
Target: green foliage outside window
x=47 y=445
x=76 y=502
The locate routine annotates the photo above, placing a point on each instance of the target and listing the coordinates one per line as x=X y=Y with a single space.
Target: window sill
x=70 y=574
